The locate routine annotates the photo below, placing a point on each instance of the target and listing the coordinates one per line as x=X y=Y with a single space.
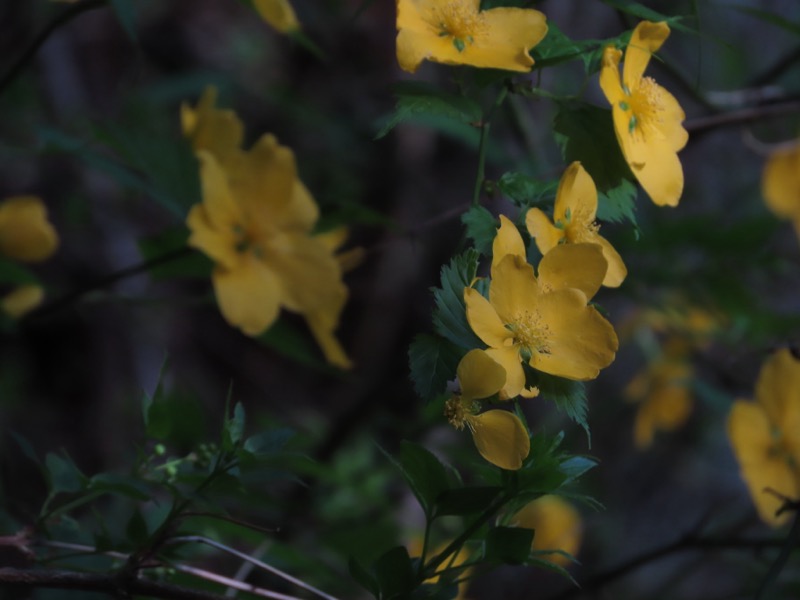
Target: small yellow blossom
x=780 y=184
x=765 y=436
x=278 y=13
x=457 y=32
x=543 y=321
x=255 y=222
x=499 y=435
x=574 y=221
x=25 y=233
x=557 y=526
x=451 y=562
x=647 y=118
x=21 y=300
x=663 y=393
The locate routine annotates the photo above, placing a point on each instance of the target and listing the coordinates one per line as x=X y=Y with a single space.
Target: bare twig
x=232 y=583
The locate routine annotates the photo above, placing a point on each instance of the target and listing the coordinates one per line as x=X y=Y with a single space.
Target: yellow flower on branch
x=765 y=436
x=278 y=13
x=557 y=525
x=545 y=321
x=457 y=32
x=780 y=184
x=647 y=118
x=574 y=221
x=255 y=223
x=499 y=435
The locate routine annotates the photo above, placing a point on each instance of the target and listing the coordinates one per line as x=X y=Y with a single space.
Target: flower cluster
x=26 y=235
x=765 y=436
x=256 y=222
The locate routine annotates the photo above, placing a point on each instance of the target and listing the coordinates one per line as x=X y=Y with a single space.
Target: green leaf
x=768 y=17
x=586 y=133
x=416 y=98
x=575 y=466
x=136 y=529
x=508 y=545
x=481 y=228
x=555 y=48
x=126 y=15
x=26 y=448
x=432 y=361
x=363 y=576
x=648 y=14
x=268 y=442
x=466 y=501
x=287 y=340
x=424 y=473
x=450 y=313
x=234 y=428
x=526 y=191
x=14 y=273
x=63 y=475
x=394 y=573
x=569 y=396
x=121 y=485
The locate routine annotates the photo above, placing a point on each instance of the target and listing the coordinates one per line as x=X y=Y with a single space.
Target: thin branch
x=792 y=540
x=232 y=583
x=65 y=17
x=738 y=117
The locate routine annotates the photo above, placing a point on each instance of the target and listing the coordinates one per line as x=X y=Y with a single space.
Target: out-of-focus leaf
x=394 y=573
x=642 y=12
x=481 y=228
x=424 y=473
x=450 y=314
x=126 y=15
x=193 y=265
x=508 y=545
x=363 y=576
x=63 y=475
x=568 y=395
x=122 y=485
x=234 y=428
x=14 y=273
x=268 y=442
x=466 y=501
x=287 y=340
x=416 y=98
x=576 y=466
x=767 y=17
x=526 y=191
x=433 y=362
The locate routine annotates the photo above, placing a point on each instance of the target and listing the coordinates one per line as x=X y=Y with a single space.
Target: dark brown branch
x=95 y=582
x=701 y=125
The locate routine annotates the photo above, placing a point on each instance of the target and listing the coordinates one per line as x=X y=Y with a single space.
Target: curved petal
x=780 y=183
x=278 y=13
x=631 y=150
x=501 y=438
x=248 y=296
x=610 y=81
x=508 y=36
x=218 y=245
x=777 y=390
x=514 y=287
x=483 y=319
x=507 y=241
x=576 y=195
x=219 y=132
x=617 y=271
x=580 y=341
x=302 y=212
x=508 y=358
x=265 y=184
x=480 y=375
x=544 y=233
x=557 y=525
x=671 y=119
x=579 y=266
x=645 y=40
x=21 y=300
x=661 y=174
x=750 y=435
x=323 y=323
x=223 y=211
x=25 y=233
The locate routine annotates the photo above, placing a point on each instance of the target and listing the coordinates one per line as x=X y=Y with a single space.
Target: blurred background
x=92 y=127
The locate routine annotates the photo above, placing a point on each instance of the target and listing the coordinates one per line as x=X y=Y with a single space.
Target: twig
x=66 y=16
x=198 y=539
x=737 y=117
x=786 y=549
x=232 y=583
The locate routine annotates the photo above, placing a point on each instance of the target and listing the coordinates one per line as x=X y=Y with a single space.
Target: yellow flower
x=452 y=562
x=662 y=389
x=22 y=300
x=255 y=222
x=543 y=321
x=574 y=217
x=278 y=13
x=647 y=118
x=457 y=32
x=780 y=184
x=765 y=436
x=557 y=526
x=499 y=435
x=25 y=233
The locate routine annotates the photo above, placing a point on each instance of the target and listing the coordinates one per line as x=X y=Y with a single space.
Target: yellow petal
x=780 y=183
x=510 y=34
x=219 y=245
x=480 y=375
x=645 y=40
x=672 y=117
x=580 y=340
x=25 y=233
x=278 y=13
x=617 y=271
x=579 y=266
x=610 y=81
x=483 y=319
x=751 y=437
x=219 y=132
x=576 y=196
x=248 y=295
x=778 y=391
x=667 y=402
x=266 y=186
x=302 y=211
x=323 y=323
x=501 y=438
x=22 y=300
x=507 y=241
x=222 y=210
x=544 y=233
x=508 y=358
x=557 y=526
x=661 y=173
x=514 y=287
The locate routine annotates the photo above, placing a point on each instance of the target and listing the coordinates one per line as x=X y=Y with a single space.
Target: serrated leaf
x=450 y=313
x=568 y=395
x=416 y=98
x=555 y=48
x=394 y=573
x=526 y=191
x=424 y=473
x=586 y=133
x=432 y=362
x=466 y=501
x=126 y=15
x=481 y=228
x=508 y=545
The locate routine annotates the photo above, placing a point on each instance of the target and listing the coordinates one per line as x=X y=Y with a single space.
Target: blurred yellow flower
x=647 y=118
x=278 y=13
x=663 y=393
x=765 y=436
x=255 y=222
x=499 y=435
x=452 y=562
x=457 y=32
x=574 y=221
x=543 y=321
x=780 y=184
x=22 y=300
x=557 y=526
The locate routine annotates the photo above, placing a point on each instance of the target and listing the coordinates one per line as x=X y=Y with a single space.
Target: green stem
x=483 y=143
x=65 y=17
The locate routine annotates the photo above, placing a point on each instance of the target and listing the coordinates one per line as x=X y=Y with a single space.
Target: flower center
x=459 y=413
x=458 y=20
x=646 y=107
x=246 y=241
x=530 y=334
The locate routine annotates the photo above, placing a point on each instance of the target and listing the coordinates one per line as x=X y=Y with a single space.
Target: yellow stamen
x=457 y=20
x=646 y=106
x=530 y=333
